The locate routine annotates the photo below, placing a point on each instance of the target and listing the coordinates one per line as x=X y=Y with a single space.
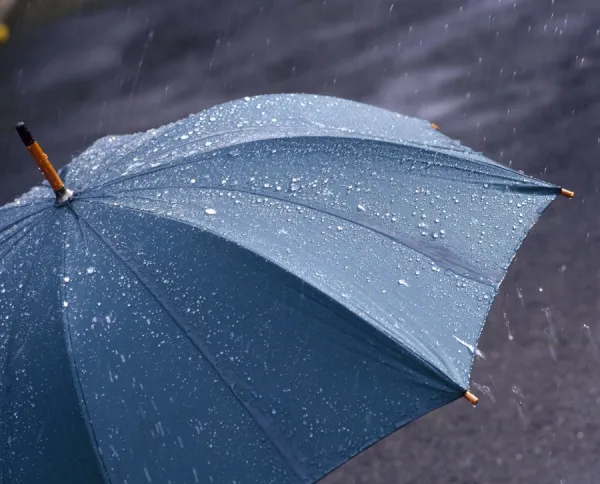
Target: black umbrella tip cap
x=25 y=135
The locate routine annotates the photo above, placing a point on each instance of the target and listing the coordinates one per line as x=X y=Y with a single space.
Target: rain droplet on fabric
x=210 y=211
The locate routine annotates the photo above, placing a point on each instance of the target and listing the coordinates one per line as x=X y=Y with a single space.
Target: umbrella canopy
x=253 y=294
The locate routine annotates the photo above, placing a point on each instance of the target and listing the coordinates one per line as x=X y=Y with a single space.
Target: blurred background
x=516 y=79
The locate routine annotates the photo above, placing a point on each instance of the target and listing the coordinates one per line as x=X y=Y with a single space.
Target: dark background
x=518 y=79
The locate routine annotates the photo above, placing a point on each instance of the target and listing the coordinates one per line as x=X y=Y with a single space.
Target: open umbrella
x=253 y=294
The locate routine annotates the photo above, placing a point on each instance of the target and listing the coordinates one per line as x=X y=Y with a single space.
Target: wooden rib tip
x=435 y=126
x=567 y=193
x=471 y=398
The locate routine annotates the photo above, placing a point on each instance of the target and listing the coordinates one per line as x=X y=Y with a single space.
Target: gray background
x=518 y=79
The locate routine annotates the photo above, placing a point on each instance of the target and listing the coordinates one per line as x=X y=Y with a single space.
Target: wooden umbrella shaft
x=45 y=167
x=41 y=159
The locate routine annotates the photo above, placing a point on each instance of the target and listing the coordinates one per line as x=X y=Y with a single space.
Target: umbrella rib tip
x=567 y=193
x=471 y=398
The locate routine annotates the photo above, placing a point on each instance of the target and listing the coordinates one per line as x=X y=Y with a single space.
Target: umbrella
x=253 y=294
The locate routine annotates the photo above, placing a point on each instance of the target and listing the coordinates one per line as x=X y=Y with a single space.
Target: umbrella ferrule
x=41 y=159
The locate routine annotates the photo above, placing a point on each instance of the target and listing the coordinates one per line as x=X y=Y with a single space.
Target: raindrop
x=183 y=137
x=90 y=270
x=65 y=304
x=402 y=282
x=210 y=211
x=486 y=390
x=360 y=208
x=470 y=347
x=517 y=391
x=67 y=279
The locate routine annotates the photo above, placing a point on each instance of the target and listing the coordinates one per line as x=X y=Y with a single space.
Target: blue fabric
x=253 y=294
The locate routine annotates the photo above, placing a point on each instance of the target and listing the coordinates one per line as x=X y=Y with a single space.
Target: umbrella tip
x=25 y=135
x=471 y=398
x=41 y=159
x=435 y=126
x=567 y=193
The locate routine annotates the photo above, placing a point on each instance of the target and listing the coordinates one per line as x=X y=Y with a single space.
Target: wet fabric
x=253 y=294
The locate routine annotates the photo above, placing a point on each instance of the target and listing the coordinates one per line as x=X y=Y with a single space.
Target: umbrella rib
x=259 y=419
x=77 y=378
x=23 y=218
x=418 y=148
x=8 y=361
x=181 y=145
x=30 y=226
x=440 y=373
x=453 y=263
x=21 y=206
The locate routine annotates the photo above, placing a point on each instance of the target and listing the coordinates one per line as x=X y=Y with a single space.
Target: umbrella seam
x=442 y=374
x=4 y=441
x=22 y=219
x=29 y=227
x=205 y=155
x=287 y=454
x=75 y=372
x=473 y=273
x=13 y=205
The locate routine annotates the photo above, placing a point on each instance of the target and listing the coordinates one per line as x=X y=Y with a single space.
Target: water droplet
x=184 y=137
x=65 y=304
x=91 y=270
x=193 y=180
x=402 y=282
x=210 y=211
x=360 y=208
x=67 y=279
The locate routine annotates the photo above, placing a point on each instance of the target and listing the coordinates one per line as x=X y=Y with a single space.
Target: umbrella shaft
x=45 y=167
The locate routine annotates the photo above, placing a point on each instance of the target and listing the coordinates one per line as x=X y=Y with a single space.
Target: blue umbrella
x=253 y=294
